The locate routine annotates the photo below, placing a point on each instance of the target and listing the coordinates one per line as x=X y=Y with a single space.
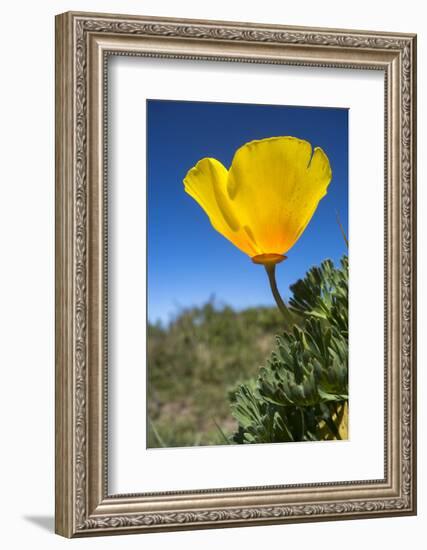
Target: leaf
x=305 y=380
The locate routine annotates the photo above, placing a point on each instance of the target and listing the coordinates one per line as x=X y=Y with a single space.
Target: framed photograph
x=235 y=274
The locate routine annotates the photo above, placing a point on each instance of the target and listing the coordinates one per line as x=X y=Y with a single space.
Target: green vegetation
x=302 y=392
x=204 y=369
x=193 y=364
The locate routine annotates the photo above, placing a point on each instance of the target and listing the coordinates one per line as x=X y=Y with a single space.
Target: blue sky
x=188 y=261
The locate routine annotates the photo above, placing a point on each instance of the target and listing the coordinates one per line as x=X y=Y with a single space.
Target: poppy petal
x=275 y=185
x=206 y=182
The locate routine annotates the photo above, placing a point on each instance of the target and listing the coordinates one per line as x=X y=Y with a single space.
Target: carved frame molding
x=83 y=43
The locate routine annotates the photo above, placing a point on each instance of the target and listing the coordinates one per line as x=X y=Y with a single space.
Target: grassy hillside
x=193 y=363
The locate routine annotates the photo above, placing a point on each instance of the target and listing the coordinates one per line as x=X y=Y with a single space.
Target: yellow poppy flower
x=263 y=203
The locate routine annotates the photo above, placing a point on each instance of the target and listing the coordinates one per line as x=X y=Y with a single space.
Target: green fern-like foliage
x=302 y=392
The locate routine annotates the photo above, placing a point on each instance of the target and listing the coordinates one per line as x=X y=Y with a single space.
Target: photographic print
x=247 y=209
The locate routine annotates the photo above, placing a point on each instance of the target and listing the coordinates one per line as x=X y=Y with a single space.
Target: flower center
x=271 y=259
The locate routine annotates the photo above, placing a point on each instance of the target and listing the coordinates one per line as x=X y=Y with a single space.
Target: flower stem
x=271 y=272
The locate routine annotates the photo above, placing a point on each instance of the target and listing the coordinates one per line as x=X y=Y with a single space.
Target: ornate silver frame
x=83 y=42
